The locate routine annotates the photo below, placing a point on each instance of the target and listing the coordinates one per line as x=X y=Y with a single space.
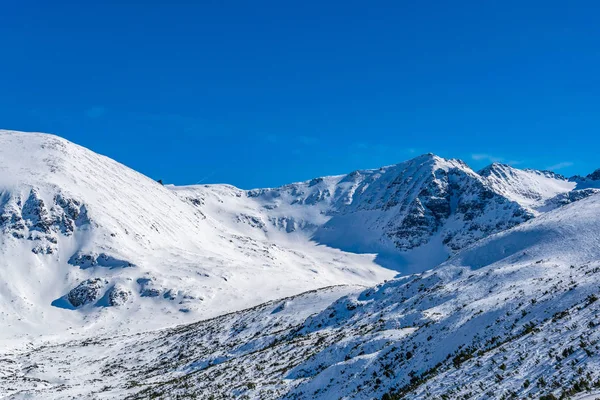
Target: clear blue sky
x=261 y=93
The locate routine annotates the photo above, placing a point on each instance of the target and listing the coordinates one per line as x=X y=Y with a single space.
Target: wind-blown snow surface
x=514 y=316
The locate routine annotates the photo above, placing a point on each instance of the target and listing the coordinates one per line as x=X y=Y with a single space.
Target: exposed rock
x=31 y=218
x=118 y=295
x=566 y=198
x=251 y=220
x=149 y=292
x=86 y=292
x=594 y=176
x=35 y=213
x=89 y=260
x=146 y=287
x=42 y=249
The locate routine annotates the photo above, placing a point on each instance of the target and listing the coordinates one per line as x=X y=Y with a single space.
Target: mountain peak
x=434 y=161
x=502 y=168
x=594 y=176
x=528 y=187
x=495 y=167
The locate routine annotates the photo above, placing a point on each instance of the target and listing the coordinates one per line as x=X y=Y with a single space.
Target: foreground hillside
x=514 y=316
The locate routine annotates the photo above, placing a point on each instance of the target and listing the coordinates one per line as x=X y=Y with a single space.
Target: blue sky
x=268 y=92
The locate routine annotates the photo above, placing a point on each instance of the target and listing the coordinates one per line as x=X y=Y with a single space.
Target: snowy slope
x=539 y=191
x=413 y=214
x=90 y=245
x=87 y=242
x=515 y=315
x=528 y=187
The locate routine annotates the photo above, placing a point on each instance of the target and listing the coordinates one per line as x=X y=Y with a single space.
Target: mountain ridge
x=421 y=279
x=517 y=323
x=95 y=234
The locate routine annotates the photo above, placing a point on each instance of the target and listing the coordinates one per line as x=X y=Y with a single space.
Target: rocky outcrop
x=88 y=260
x=569 y=197
x=589 y=181
x=31 y=217
x=87 y=292
x=118 y=295
x=147 y=288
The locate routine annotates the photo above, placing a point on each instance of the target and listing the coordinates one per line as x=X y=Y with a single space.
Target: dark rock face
x=592 y=180
x=424 y=214
x=567 y=198
x=88 y=260
x=118 y=296
x=594 y=176
x=43 y=249
x=399 y=207
x=427 y=198
x=32 y=218
x=74 y=214
x=251 y=220
x=35 y=213
x=450 y=199
x=149 y=292
x=86 y=292
x=169 y=295
x=147 y=288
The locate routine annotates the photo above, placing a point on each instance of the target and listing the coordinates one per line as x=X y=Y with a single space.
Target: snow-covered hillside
x=530 y=188
x=514 y=316
x=413 y=215
x=539 y=191
x=87 y=242
x=495 y=290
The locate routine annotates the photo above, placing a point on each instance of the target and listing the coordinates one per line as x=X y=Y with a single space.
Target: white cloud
x=494 y=159
x=486 y=157
x=560 y=165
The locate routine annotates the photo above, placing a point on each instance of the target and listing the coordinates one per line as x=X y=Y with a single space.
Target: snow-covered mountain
x=530 y=188
x=539 y=191
x=87 y=242
x=413 y=215
x=516 y=315
x=589 y=181
x=95 y=250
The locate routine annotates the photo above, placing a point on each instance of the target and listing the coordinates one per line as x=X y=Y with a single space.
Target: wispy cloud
x=492 y=159
x=560 y=165
x=486 y=157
